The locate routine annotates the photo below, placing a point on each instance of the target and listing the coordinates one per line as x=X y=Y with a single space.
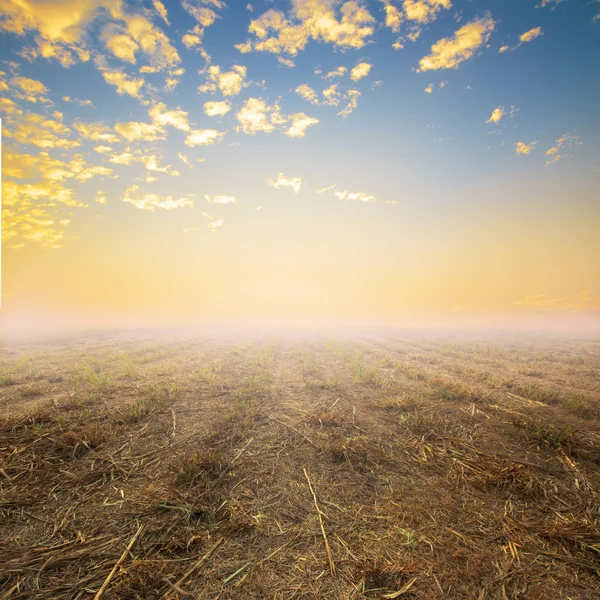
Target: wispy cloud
x=282 y=181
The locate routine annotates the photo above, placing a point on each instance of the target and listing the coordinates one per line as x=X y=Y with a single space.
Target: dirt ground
x=338 y=465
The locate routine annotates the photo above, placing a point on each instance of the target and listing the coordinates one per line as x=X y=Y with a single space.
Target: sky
x=299 y=161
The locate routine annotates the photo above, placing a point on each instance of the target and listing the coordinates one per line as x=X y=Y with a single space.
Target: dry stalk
x=118 y=563
x=319 y=513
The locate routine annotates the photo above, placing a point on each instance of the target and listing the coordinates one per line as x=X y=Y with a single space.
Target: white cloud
x=185 y=159
x=219 y=199
x=353 y=95
x=147 y=201
x=203 y=137
x=300 y=123
x=306 y=92
x=216 y=109
x=361 y=196
x=255 y=115
x=162 y=117
x=282 y=181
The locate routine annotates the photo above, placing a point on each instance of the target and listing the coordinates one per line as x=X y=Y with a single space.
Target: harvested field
x=363 y=465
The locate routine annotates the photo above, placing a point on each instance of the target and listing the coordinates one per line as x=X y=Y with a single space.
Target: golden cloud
x=496 y=115
x=450 y=52
x=310 y=19
x=360 y=70
x=530 y=35
x=36 y=129
x=133 y=131
x=159 y=7
x=282 y=181
x=229 y=82
x=123 y=83
x=424 y=11
x=523 y=148
x=100 y=197
x=393 y=16
x=29 y=89
x=568 y=140
x=97 y=132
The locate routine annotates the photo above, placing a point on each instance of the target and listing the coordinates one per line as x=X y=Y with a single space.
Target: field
x=354 y=465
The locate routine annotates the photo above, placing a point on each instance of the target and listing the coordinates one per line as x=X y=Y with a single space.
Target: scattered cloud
x=277 y=33
x=100 y=197
x=339 y=72
x=148 y=201
x=361 y=196
x=530 y=35
x=185 y=159
x=134 y=131
x=159 y=7
x=523 y=148
x=557 y=153
x=203 y=137
x=353 y=96
x=300 y=123
x=429 y=89
x=286 y=62
x=216 y=109
x=448 y=53
x=306 y=92
x=29 y=89
x=497 y=114
x=161 y=117
x=230 y=83
x=255 y=115
x=220 y=199
x=393 y=16
x=326 y=189
x=125 y=85
x=77 y=101
x=97 y=132
x=282 y=181
x=360 y=70
x=424 y=11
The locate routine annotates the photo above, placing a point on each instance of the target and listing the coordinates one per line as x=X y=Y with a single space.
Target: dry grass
x=358 y=467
